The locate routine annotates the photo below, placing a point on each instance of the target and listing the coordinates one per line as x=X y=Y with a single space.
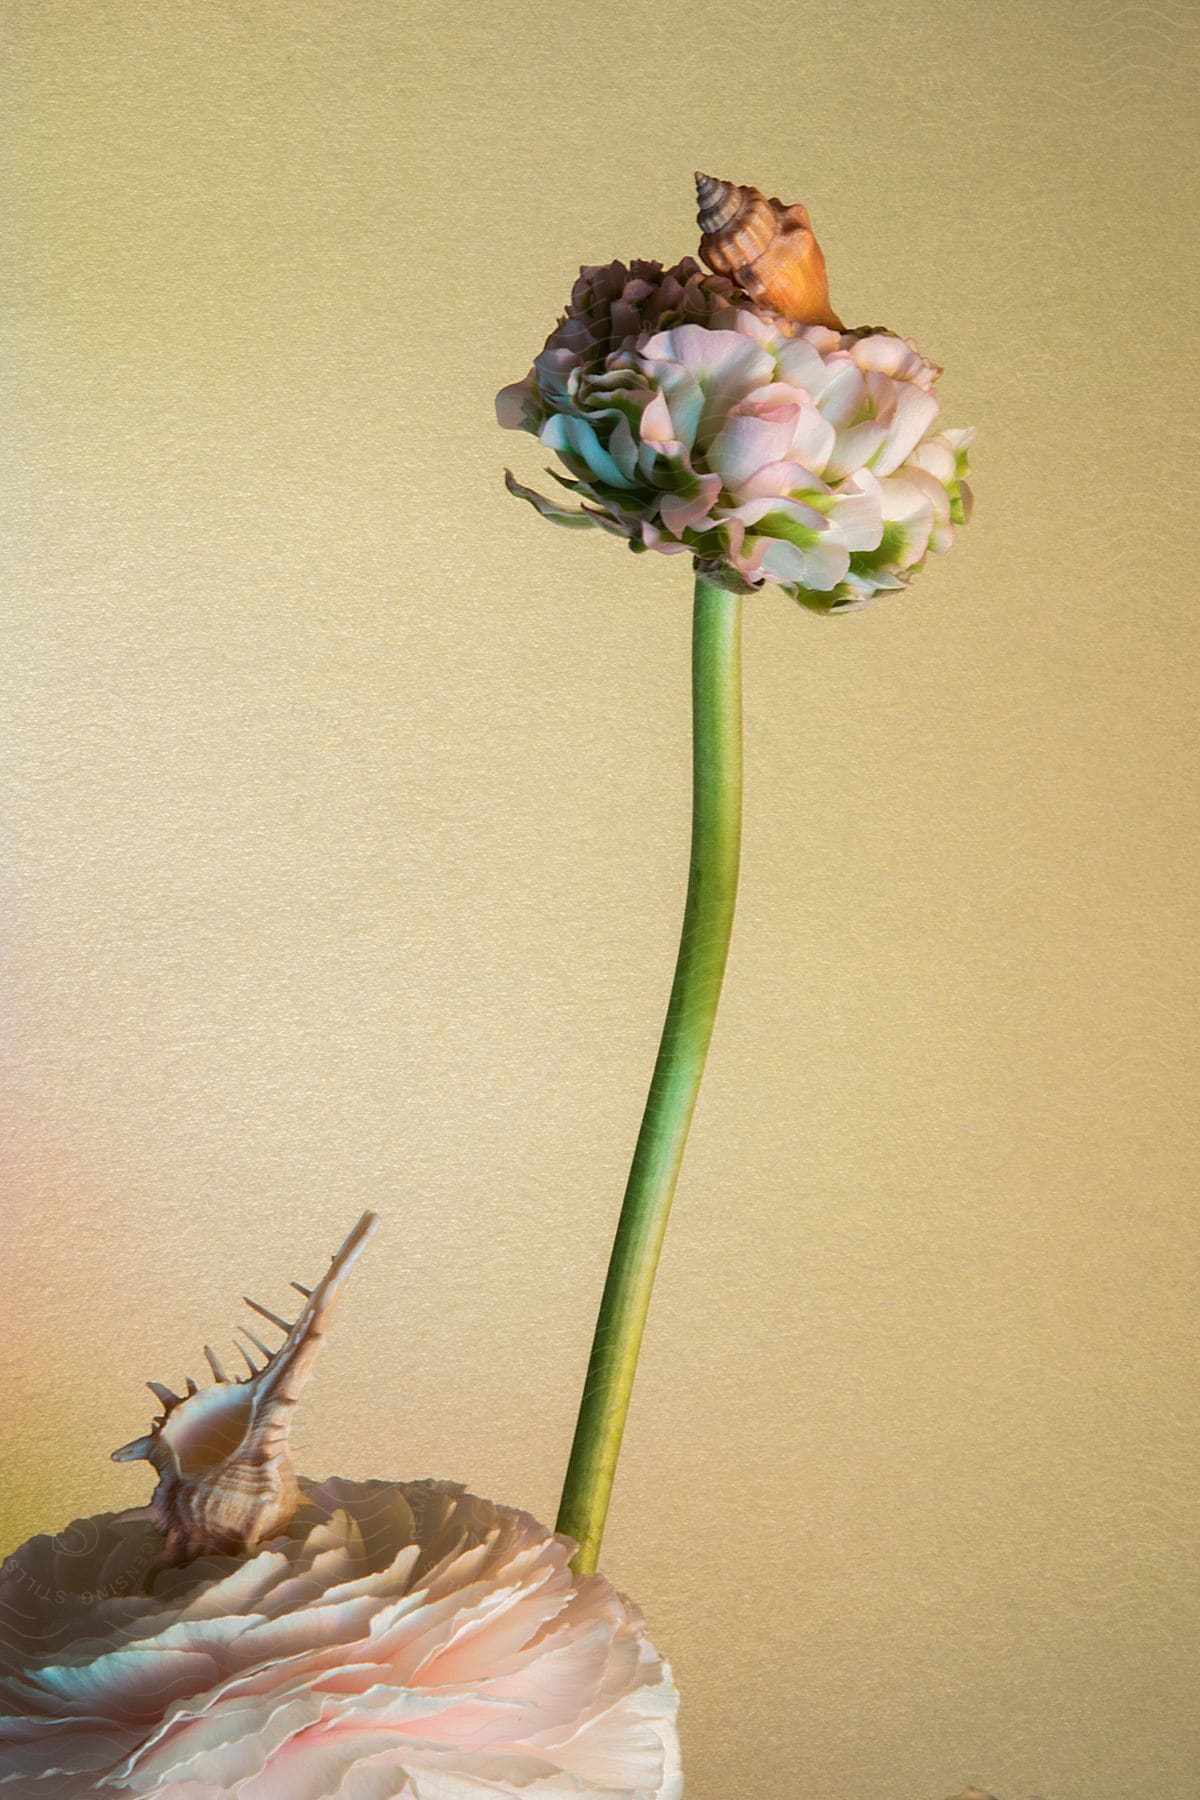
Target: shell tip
x=717 y=202
x=358 y=1239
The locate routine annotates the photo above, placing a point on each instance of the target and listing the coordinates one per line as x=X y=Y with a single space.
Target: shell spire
x=767 y=248
x=225 y=1472
x=718 y=202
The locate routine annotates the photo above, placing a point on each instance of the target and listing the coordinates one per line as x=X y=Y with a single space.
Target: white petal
x=909 y=507
x=857 y=511
x=936 y=456
x=801 y=363
x=854 y=448
x=820 y=566
x=708 y=353
x=750 y=512
x=774 y=393
x=844 y=395
x=813 y=440
x=932 y=488
x=755 y=325
x=915 y=411
x=747 y=441
x=894 y=356
x=782 y=480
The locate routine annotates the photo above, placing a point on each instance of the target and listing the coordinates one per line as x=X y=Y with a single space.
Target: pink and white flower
x=399 y=1639
x=771 y=451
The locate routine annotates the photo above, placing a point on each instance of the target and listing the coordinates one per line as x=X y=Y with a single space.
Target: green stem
x=691 y=1012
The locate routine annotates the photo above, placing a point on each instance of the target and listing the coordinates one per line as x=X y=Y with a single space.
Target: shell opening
x=208 y=1432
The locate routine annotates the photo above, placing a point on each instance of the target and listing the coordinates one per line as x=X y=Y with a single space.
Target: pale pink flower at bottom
x=398 y=1641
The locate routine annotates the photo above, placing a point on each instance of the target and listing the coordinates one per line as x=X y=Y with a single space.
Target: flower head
x=772 y=451
x=397 y=1639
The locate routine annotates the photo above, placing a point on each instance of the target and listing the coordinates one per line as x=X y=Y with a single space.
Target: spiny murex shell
x=766 y=247
x=224 y=1465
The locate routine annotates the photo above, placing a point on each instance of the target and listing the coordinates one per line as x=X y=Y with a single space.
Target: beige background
x=344 y=841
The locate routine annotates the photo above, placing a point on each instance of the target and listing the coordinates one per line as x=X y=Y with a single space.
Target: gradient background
x=344 y=841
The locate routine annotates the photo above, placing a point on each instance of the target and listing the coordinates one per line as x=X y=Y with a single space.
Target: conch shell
x=767 y=248
x=225 y=1476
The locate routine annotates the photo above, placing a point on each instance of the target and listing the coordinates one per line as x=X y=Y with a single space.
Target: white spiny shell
x=226 y=1480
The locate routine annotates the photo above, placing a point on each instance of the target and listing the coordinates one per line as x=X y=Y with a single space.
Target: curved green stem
x=703 y=946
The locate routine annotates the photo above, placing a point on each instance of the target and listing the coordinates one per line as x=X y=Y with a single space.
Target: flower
x=771 y=451
x=397 y=1639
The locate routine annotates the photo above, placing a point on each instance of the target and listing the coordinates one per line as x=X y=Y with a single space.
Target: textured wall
x=344 y=841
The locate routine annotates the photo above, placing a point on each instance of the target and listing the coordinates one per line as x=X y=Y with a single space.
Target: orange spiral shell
x=767 y=248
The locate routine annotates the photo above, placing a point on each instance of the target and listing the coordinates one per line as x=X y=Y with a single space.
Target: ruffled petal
x=841 y=402
x=514 y=404
x=801 y=363
x=909 y=508
x=819 y=565
x=895 y=356
x=657 y=427
x=790 y=541
x=855 y=447
x=549 y=509
x=784 y=480
x=578 y=443
x=856 y=509
x=749 y=440
x=915 y=410
x=812 y=433
x=680 y=512
x=935 y=455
